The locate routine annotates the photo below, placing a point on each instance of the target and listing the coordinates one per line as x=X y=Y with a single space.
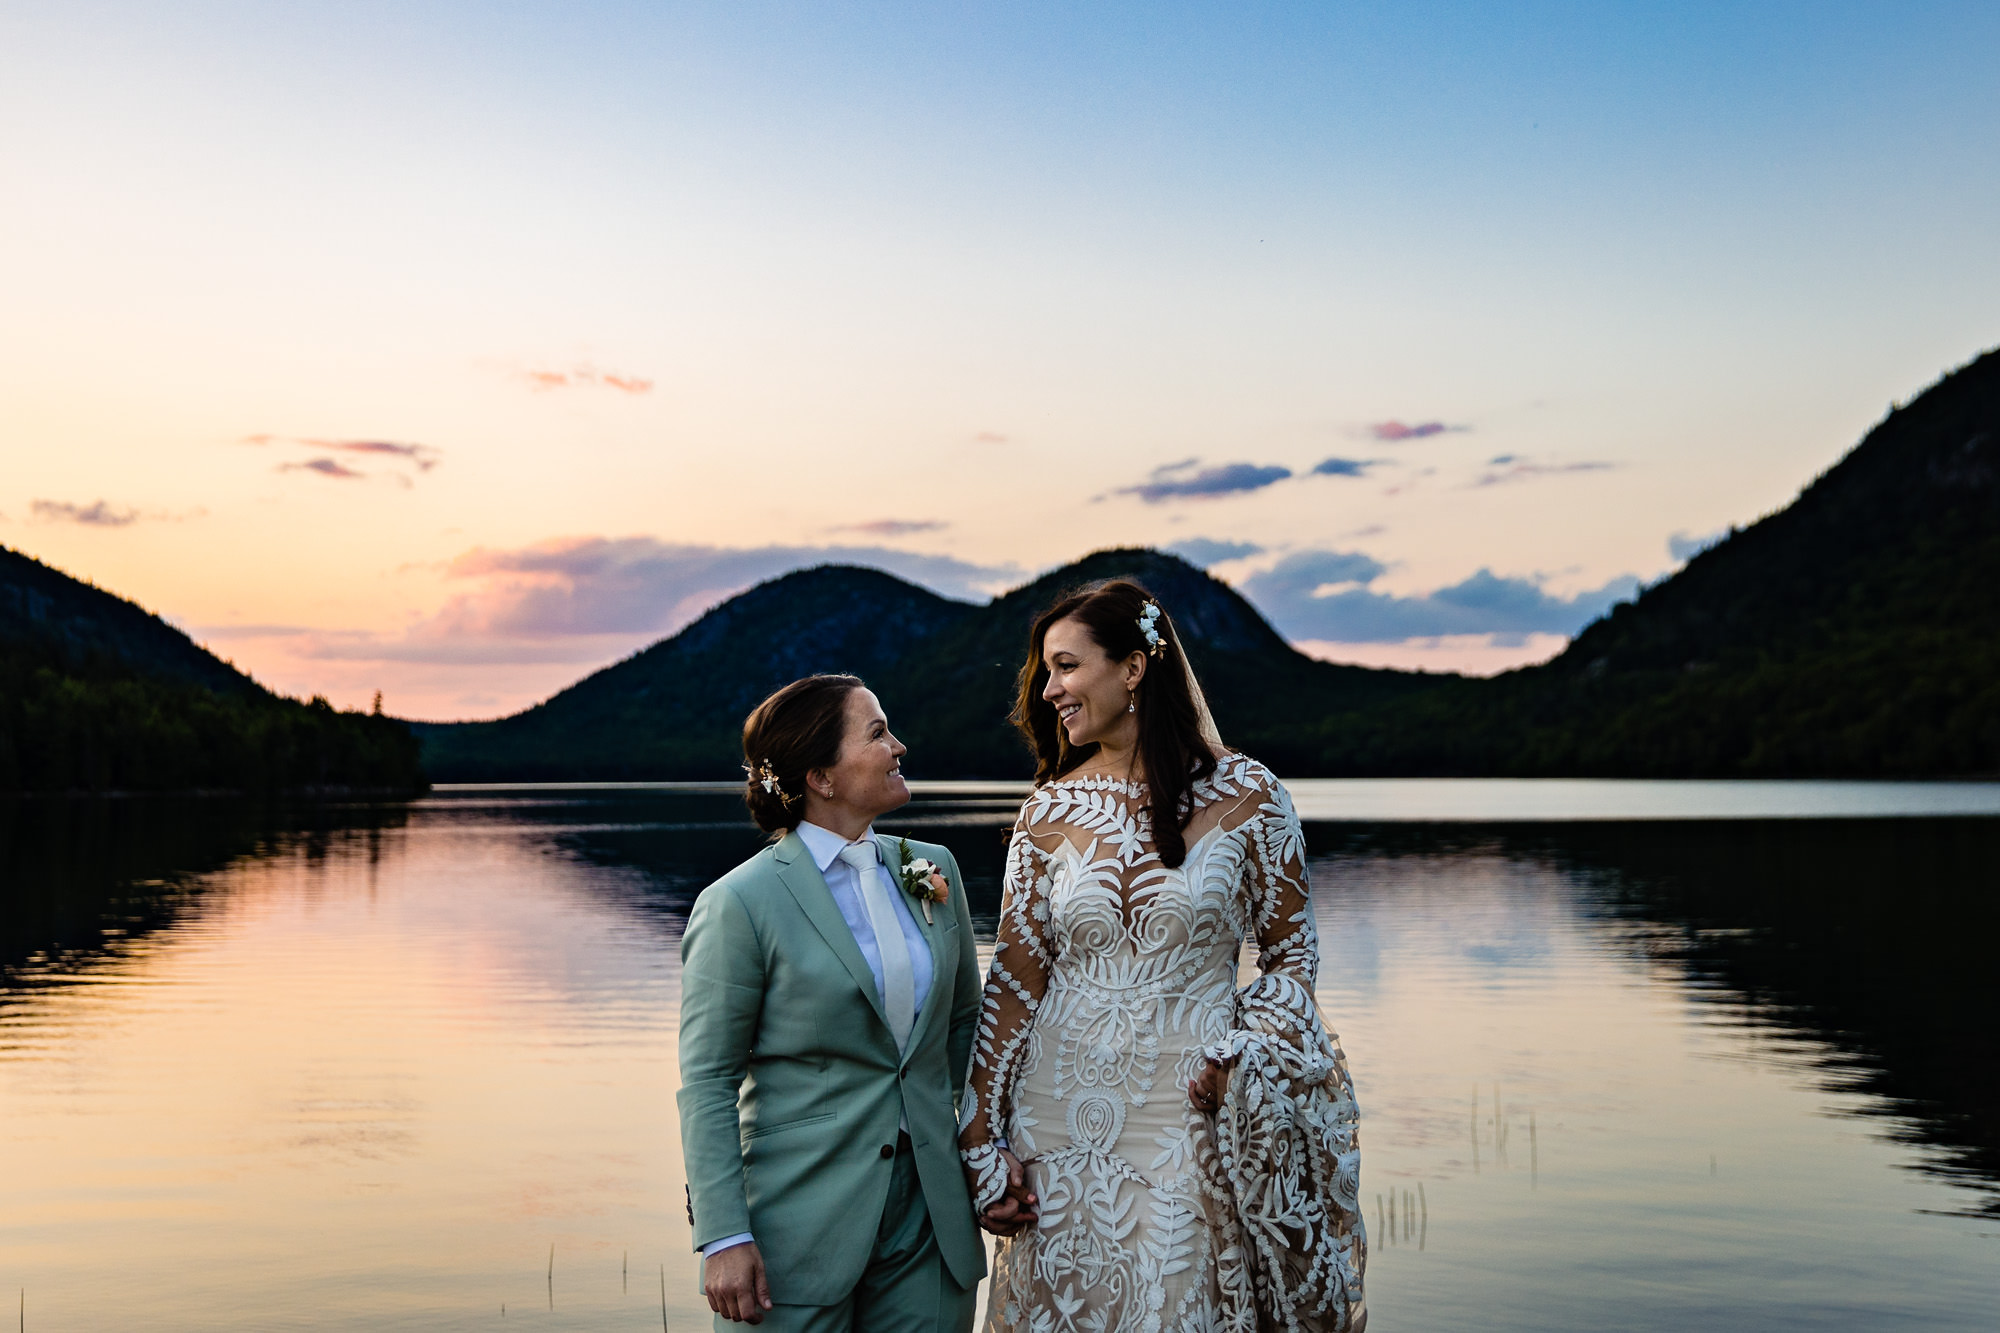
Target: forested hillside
x=676 y=710
x=97 y=694
x=945 y=671
x=954 y=695
x=1854 y=633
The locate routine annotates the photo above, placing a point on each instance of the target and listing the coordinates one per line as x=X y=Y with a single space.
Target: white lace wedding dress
x=1112 y=976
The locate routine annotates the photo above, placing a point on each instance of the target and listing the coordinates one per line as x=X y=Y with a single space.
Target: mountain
x=47 y=611
x=945 y=671
x=98 y=694
x=954 y=701
x=676 y=709
x=1854 y=633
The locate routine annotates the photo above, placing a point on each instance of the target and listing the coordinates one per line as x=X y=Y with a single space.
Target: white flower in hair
x=1149 y=619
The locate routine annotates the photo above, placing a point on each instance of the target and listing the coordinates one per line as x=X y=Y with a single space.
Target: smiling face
x=867 y=779
x=1089 y=690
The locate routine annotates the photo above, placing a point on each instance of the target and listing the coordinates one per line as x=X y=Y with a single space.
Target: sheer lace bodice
x=1112 y=977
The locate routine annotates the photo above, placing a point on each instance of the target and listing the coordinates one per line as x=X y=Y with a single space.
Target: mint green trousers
x=906 y=1287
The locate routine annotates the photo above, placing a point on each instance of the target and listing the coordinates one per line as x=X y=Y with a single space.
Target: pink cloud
x=891 y=527
x=584 y=376
x=1512 y=467
x=98 y=514
x=423 y=456
x=326 y=467
x=1181 y=480
x=1396 y=430
x=522 y=622
x=626 y=585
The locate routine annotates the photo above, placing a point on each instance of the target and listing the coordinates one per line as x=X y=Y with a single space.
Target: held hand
x=734 y=1282
x=1206 y=1088
x=1015 y=1212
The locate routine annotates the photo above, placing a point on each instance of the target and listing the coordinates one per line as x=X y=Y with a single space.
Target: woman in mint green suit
x=829 y=997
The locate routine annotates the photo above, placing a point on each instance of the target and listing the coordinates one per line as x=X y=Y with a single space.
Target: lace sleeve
x=1281 y=915
x=1023 y=953
x=1286 y=1136
x=1277 y=1008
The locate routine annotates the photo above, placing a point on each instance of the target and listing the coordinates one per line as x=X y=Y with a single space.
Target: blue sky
x=1497 y=303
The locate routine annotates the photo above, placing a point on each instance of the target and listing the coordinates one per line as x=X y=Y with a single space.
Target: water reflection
x=361 y=1068
x=83 y=879
x=659 y=851
x=1874 y=938
x=404 y=1066
x=1860 y=948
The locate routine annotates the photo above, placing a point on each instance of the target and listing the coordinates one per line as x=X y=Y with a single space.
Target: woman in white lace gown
x=1164 y=1150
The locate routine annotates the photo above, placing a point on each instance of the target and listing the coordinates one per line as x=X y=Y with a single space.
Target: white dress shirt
x=823 y=845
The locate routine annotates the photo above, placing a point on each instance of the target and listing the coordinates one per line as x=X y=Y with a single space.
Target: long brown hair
x=1177 y=738
x=796 y=730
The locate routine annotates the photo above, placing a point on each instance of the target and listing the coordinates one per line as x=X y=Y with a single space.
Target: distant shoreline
x=1450 y=800
x=315 y=793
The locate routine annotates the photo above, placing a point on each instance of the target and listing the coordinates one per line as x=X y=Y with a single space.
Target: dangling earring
x=1131 y=701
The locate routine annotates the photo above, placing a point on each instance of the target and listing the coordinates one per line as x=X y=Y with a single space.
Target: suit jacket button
x=888 y=1150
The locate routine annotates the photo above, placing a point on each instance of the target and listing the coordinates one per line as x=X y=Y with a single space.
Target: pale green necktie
x=899 y=982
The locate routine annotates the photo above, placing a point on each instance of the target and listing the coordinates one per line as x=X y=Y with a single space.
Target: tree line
x=100 y=726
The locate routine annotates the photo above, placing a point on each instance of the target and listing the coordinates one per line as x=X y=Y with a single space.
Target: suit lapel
x=808 y=887
x=891 y=852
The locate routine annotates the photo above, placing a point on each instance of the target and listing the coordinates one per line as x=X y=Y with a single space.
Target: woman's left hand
x=1206 y=1088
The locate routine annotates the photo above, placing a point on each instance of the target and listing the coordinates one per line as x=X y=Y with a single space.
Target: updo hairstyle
x=796 y=730
x=1178 y=742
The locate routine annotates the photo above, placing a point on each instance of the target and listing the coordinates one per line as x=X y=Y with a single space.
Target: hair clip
x=766 y=777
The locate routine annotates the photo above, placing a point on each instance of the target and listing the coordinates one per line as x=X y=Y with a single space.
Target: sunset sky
x=456 y=350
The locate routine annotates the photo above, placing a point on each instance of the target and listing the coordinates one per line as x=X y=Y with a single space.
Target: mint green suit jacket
x=791 y=1086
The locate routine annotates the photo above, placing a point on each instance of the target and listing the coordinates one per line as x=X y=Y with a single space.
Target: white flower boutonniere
x=921 y=879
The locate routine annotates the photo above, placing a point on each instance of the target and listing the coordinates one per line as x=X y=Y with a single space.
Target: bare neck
x=1118 y=753
x=839 y=817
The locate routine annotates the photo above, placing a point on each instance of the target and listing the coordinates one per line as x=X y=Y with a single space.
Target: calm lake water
x=1630 y=1055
